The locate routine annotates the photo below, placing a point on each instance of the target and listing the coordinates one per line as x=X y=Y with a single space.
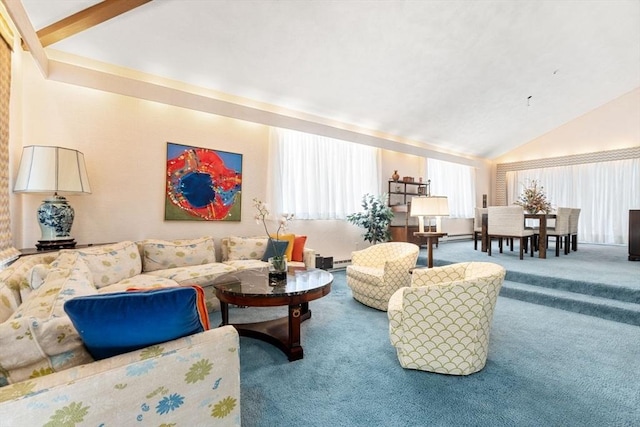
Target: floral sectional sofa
x=46 y=373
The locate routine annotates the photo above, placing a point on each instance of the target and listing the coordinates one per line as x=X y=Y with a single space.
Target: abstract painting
x=202 y=184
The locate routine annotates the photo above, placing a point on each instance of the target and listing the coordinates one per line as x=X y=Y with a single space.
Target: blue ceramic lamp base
x=55 y=217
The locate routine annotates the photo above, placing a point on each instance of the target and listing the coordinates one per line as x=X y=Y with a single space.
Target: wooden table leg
x=224 y=311
x=542 y=245
x=485 y=232
x=430 y=253
x=295 y=317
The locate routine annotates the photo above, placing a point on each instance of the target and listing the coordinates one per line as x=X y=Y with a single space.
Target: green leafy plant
x=375 y=218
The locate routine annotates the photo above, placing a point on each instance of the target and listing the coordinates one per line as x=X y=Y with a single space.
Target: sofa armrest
x=186 y=381
x=309 y=257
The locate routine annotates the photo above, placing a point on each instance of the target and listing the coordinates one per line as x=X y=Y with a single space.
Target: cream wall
x=612 y=126
x=124 y=141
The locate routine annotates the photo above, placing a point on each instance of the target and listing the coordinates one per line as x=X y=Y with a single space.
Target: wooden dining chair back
x=508 y=222
x=477 y=226
x=573 y=227
x=560 y=230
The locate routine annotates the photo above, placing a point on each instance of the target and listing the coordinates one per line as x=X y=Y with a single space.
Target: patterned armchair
x=441 y=323
x=378 y=271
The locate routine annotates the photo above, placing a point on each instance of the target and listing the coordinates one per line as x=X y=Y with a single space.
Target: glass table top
x=256 y=282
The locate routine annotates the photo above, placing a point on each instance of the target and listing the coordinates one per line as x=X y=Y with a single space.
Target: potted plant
x=375 y=218
x=278 y=262
x=533 y=199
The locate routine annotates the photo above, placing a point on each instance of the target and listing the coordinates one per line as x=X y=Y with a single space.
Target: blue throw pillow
x=116 y=323
x=280 y=249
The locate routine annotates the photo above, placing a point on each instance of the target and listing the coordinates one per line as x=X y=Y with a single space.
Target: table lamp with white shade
x=429 y=206
x=47 y=169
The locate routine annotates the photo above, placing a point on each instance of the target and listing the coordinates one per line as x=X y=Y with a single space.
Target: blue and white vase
x=55 y=217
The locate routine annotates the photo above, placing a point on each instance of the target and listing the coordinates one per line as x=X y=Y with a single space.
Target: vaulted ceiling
x=477 y=78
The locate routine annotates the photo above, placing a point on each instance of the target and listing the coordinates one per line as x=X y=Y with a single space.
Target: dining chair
x=560 y=230
x=477 y=226
x=573 y=227
x=508 y=222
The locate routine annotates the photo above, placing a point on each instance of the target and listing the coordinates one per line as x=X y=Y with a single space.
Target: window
x=457 y=182
x=315 y=177
x=604 y=191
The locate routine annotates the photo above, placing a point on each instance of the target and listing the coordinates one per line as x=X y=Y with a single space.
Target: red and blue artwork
x=203 y=184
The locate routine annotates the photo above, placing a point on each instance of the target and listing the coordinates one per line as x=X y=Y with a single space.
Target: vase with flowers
x=278 y=262
x=533 y=199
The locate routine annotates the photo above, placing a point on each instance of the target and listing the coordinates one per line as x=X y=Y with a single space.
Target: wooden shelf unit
x=400 y=194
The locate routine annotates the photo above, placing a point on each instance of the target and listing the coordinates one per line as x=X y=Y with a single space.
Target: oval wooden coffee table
x=251 y=288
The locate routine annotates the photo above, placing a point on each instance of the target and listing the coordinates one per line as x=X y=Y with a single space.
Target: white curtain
x=455 y=181
x=315 y=177
x=604 y=191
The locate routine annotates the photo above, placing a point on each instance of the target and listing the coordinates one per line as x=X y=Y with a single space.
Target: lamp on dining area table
x=50 y=169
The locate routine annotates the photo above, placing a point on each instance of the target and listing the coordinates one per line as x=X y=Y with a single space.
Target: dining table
x=542 y=231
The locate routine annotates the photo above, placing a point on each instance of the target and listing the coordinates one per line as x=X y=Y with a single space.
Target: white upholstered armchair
x=378 y=271
x=441 y=323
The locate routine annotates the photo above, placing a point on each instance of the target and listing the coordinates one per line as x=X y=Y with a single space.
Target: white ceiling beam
x=28 y=34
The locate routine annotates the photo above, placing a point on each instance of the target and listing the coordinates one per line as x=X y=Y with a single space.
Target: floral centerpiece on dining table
x=278 y=263
x=533 y=199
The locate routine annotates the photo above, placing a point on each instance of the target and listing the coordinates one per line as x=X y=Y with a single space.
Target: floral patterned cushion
x=14 y=285
x=247 y=264
x=8 y=302
x=39 y=338
x=190 y=381
x=139 y=281
x=201 y=275
x=246 y=248
x=162 y=254
x=110 y=264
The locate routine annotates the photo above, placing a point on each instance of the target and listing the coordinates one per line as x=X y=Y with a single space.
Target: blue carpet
x=546 y=367
x=597 y=279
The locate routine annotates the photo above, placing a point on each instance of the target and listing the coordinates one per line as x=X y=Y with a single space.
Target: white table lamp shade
x=46 y=169
x=431 y=206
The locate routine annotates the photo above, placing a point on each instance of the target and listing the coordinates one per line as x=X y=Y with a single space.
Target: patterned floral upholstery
x=378 y=271
x=190 y=381
x=441 y=323
x=162 y=254
x=246 y=253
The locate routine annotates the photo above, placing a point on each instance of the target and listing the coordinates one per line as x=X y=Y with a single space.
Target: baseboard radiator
x=341 y=263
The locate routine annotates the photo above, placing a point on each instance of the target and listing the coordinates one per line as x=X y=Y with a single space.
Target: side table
x=431 y=238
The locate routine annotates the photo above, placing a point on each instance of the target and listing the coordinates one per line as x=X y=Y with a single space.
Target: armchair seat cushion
x=369 y=275
x=379 y=270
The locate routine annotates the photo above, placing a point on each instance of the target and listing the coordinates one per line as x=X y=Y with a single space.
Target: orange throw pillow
x=298 y=248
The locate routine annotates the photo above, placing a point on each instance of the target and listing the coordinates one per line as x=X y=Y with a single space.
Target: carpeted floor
x=591 y=263
x=597 y=279
x=546 y=367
